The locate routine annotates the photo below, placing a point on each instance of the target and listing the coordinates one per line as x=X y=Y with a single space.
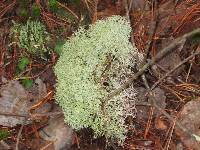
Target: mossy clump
x=4 y=134
x=94 y=63
x=53 y=5
x=32 y=36
x=35 y=10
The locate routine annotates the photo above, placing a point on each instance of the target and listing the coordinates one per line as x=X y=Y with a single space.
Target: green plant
x=27 y=83
x=59 y=46
x=35 y=10
x=32 y=37
x=4 y=134
x=94 y=63
x=53 y=5
x=22 y=63
x=21 y=66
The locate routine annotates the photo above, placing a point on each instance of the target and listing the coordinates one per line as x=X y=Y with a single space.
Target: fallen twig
x=69 y=10
x=19 y=134
x=174 y=69
x=160 y=55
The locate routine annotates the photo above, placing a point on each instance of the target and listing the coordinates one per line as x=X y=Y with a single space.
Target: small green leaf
x=27 y=83
x=3 y=134
x=59 y=46
x=53 y=5
x=23 y=62
x=35 y=10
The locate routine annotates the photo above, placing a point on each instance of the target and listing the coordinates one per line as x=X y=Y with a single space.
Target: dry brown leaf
x=58 y=132
x=17 y=101
x=189 y=118
x=160 y=124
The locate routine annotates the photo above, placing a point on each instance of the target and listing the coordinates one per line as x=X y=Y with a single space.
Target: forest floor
x=168 y=85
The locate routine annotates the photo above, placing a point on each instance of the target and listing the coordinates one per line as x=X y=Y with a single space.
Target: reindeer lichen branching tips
x=32 y=37
x=94 y=63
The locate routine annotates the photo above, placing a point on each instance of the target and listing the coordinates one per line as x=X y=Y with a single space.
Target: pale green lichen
x=32 y=36
x=94 y=63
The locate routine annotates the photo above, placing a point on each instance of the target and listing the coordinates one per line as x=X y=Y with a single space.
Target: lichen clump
x=93 y=64
x=33 y=37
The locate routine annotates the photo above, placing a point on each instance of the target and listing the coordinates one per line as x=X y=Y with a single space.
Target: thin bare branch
x=174 y=69
x=160 y=55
